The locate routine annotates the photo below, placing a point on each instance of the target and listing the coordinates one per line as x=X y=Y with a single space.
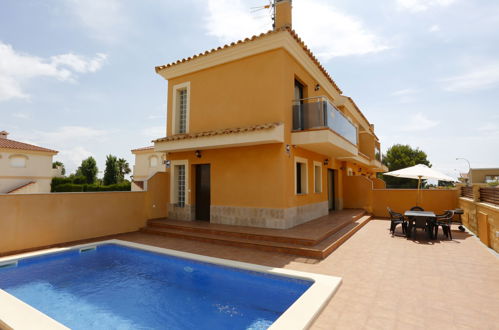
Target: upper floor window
x=18 y=161
x=153 y=161
x=181 y=108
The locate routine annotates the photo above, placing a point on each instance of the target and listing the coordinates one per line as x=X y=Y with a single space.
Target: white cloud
x=73 y=157
x=422 y=5
x=154 y=132
x=105 y=20
x=68 y=133
x=434 y=28
x=403 y=92
x=21 y=115
x=418 y=122
x=341 y=34
x=17 y=69
x=79 y=63
x=480 y=77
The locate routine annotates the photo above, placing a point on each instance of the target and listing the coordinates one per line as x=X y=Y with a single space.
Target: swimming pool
x=118 y=284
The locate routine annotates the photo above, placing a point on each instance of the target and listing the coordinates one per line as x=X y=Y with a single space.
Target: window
x=153 y=161
x=181 y=108
x=301 y=177
x=317 y=177
x=180 y=184
x=18 y=161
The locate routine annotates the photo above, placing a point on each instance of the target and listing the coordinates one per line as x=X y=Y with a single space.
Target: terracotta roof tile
x=11 y=144
x=293 y=34
x=143 y=148
x=223 y=131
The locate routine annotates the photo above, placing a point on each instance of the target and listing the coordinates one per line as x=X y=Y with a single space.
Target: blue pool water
x=117 y=287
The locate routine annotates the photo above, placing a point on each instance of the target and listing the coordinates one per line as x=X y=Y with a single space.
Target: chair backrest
x=419 y=222
x=417 y=208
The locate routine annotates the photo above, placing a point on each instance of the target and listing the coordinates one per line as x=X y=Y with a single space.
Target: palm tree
x=124 y=168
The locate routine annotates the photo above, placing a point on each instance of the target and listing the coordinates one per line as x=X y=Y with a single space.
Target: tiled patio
x=388 y=282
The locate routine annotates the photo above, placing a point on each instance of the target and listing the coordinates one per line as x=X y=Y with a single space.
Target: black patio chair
x=420 y=223
x=444 y=220
x=396 y=219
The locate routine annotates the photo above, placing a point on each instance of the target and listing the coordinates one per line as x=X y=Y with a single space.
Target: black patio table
x=419 y=216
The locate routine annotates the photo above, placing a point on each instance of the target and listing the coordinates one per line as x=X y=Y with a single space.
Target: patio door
x=330 y=189
x=203 y=192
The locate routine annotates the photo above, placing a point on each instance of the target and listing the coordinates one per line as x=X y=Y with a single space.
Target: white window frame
x=13 y=157
x=176 y=105
x=319 y=165
x=173 y=183
x=304 y=180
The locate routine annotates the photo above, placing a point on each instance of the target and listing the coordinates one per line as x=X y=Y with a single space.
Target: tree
x=401 y=156
x=61 y=165
x=88 y=169
x=112 y=171
x=123 y=169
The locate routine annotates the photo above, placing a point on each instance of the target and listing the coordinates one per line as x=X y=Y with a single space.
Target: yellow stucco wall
x=36 y=220
x=482 y=219
x=254 y=90
x=359 y=193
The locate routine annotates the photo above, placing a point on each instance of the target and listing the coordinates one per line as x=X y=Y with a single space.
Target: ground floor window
x=180 y=181
x=301 y=177
x=317 y=177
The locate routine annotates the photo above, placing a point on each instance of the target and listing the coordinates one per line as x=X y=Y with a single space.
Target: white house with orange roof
x=147 y=163
x=25 y=168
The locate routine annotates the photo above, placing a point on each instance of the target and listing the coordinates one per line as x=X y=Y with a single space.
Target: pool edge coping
x=299 y=315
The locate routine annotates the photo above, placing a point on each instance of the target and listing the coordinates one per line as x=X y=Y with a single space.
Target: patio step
x=319 y=250
x=252 y=233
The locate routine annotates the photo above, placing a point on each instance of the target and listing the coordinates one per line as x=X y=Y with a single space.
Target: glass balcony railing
x=319 y=112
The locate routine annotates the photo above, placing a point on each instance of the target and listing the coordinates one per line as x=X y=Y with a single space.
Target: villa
x=25 y=168
x=259 y=134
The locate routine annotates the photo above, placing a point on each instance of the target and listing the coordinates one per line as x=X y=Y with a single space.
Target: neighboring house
x=483 y=175
x=259 y=134
x=25 y=168
x=147 y=163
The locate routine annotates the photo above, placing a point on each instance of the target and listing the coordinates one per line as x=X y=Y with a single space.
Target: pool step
x=319 y=250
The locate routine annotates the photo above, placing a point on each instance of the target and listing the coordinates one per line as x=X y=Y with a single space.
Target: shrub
x=68 y=187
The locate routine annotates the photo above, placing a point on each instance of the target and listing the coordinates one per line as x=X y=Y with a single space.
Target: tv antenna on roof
x=270 y=5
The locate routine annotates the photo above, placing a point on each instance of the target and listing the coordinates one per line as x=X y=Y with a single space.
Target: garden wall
x=38 y=220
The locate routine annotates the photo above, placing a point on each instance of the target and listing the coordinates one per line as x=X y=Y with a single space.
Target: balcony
x=319 y=126
x=319 y=112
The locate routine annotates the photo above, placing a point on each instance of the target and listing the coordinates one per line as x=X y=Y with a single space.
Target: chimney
x=282 y=17
x=3 y=134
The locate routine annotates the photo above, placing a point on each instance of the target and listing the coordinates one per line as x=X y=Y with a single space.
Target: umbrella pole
x=419 y=187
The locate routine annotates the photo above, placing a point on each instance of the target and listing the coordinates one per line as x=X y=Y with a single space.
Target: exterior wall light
x=288 y=148
x=317 y=87
x=167 y=163
x=326 y=162
x=198 y=154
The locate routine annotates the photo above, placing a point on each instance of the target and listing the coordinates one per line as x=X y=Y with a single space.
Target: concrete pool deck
x=388 y=282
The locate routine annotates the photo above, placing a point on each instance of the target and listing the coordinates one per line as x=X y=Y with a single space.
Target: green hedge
x=71 y=187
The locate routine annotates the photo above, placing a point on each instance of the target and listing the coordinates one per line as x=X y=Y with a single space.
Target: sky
x=78 y=76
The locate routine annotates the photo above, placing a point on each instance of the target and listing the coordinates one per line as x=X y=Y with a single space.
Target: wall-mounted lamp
x=288 y=149
x=198 y=154
x=317 y=87
x=326 y=162
x=167 y=163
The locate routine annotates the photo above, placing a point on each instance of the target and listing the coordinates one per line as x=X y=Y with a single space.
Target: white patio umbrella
x=420 y=172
